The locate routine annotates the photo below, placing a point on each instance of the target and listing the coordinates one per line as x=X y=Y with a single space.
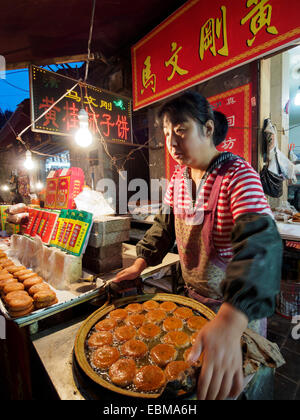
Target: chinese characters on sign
x=236 y=105
x=210 y=32
x=198 y=42
x=107 y=113
x=260 y=17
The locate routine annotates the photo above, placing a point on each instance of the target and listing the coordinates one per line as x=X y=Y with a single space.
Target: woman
x=228 y=243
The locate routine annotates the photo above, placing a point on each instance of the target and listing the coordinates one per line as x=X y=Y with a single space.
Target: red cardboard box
x=70 y=184
x=51 y=189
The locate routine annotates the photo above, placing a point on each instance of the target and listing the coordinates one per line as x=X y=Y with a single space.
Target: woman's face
x=186 y=142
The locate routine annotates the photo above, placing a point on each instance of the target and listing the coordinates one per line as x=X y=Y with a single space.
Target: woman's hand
x=131 y=272
x=220 y=344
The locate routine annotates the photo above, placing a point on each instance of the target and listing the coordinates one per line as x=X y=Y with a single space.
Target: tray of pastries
x=138 y=346
x=22 y=291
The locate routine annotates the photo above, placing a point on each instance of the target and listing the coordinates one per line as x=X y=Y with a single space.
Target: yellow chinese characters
x=260 y=17
x=74 y=95
x=173 y=61
x=211 y=31
x=148 y=79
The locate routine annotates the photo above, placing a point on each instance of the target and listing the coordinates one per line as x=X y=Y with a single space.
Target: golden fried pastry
x=25 y=276
x=136 y=320
x=183 y=313
x=122 y=372
x=100 y=338
x=174 y=369
x=9 y=268
x=38 y=288
x=44 y=298
x=195 y=323
x=134 y=308
x=20 y=273
x=149 y=378
x=162 y=354
x=7 y=281
x=168 y=307
x=13 y=295
x=18 y=314
x=6 y=276
x=124 y=333
x=108 y=324
x=119 y=314
x=7 y=263
x=42 y=305
x=134 y=348
x=20 y=303
x=156 y=316
x=104 y=357
x=179 y=339
x=150 y=305
x=172 y=324
x=149 y=331
x=32 y=281
x=15 y=269
x=12 y=287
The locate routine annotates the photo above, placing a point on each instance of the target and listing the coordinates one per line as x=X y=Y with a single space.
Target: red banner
x=236 y=105
x=203 y=39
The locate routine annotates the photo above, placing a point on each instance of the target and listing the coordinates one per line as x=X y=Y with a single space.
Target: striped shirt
x=241 y=193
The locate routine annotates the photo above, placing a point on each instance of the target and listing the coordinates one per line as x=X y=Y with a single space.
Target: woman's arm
x=253 y=276
x=152 y=249
x=159 y=239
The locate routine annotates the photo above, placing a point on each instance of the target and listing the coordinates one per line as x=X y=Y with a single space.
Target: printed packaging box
x=51 y=189
x=70 y=184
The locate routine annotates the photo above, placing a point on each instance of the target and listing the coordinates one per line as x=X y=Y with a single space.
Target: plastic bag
x=93 y=202
x=17 y=208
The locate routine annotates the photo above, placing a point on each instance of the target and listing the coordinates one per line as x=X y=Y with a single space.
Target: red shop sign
x=236 y=105
x=203 y=39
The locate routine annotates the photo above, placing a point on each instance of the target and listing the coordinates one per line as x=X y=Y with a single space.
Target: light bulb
x=297 y=99
x=83 y=136
x=39 y=185
x=29 y=164
x=5 y=188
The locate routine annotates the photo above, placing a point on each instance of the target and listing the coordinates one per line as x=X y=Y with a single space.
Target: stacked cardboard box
x=104 y=250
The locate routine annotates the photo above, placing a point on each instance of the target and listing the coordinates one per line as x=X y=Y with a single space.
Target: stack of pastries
x=22 y=290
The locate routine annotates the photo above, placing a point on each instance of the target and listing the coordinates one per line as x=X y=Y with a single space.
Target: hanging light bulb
x=39 y=186
x=83 y=137
x=29 y=164
x=5 y=188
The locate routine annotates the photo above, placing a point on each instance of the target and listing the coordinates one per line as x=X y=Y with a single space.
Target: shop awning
x=36 y=31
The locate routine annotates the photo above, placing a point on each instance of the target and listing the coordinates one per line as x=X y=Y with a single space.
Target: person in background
x=228 y=243
x=16 y=197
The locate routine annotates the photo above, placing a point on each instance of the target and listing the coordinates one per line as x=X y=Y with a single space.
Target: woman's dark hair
x=193 y=105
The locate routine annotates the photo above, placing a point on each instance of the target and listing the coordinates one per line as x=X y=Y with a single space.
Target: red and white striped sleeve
x=169 y=196
x=245 y=192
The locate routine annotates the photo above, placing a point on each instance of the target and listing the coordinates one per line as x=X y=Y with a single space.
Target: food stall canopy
x=38 y=32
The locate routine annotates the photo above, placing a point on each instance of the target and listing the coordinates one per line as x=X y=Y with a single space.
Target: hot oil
x=146 y=360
